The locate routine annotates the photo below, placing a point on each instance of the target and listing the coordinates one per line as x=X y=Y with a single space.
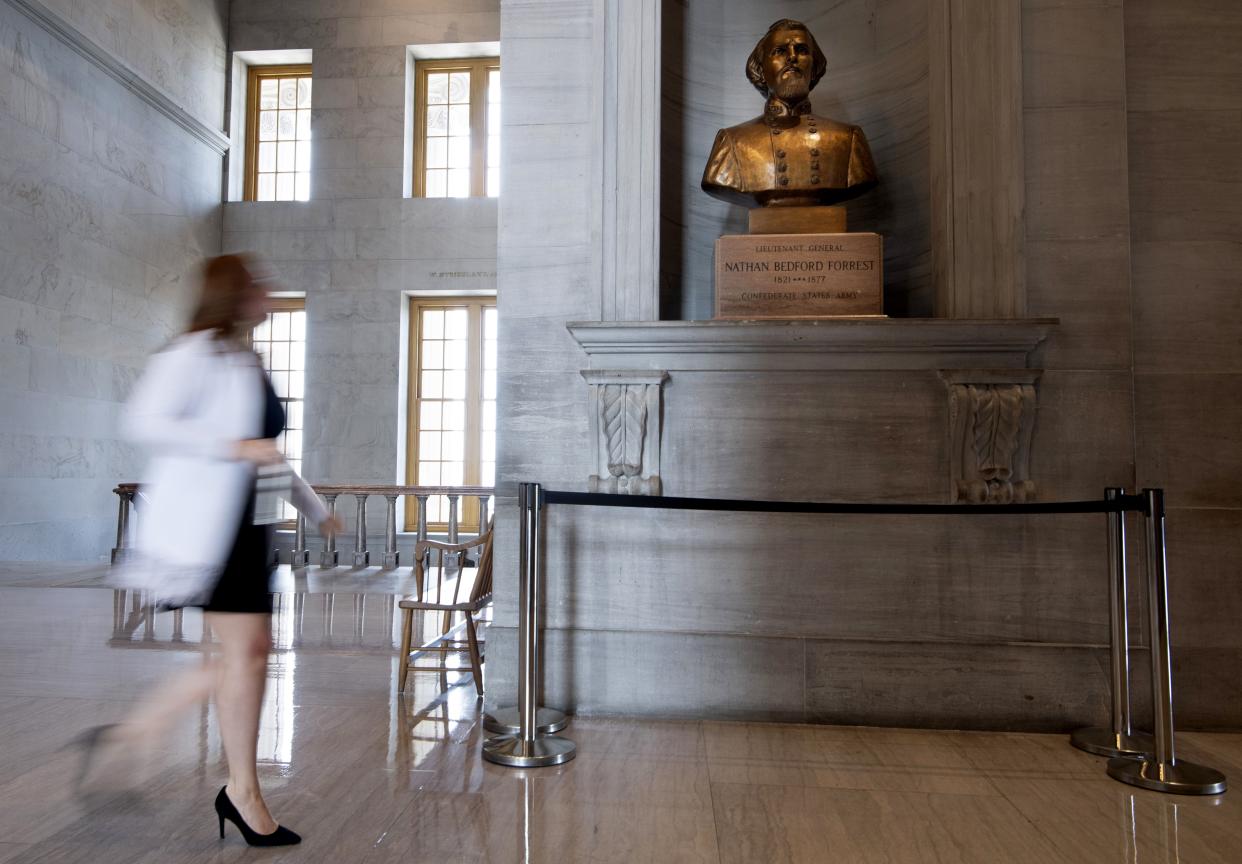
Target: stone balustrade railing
x=128 y=494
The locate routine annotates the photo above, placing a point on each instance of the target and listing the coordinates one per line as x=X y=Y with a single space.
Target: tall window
x=457 y=132
x=281 y=343
x=452 y=402
x=278 y=124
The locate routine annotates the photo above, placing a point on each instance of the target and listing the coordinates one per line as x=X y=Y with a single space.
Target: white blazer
x=197 y=398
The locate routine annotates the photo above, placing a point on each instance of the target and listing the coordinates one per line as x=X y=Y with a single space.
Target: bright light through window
x=281 y=343
x=459 y=121
x=454 y=402
x=279 y=156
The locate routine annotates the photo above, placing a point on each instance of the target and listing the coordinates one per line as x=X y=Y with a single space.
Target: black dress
x=245 y=584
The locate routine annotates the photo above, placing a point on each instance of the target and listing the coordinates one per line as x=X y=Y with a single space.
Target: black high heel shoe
x=282 y=836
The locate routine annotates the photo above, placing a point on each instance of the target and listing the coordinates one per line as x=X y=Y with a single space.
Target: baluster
x=361 y=556
x=300 y=556
x=484 y=504
x=391 y=556
x=125 y=500
x=330 y=557
x=452 y=522
x=119 y=596
x=178 y=634
x=422 y=516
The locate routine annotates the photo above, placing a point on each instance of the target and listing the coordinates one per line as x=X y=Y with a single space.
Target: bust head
x=787 y=62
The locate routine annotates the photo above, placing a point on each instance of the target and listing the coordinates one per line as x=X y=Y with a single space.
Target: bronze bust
x=788 y=156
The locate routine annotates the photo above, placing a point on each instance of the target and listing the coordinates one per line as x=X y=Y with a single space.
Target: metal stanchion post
x=508 y=721
x=1120 y=740
x=1163 y=772
x=528 y=749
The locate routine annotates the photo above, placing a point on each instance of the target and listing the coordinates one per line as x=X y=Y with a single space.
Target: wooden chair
x=439 y=591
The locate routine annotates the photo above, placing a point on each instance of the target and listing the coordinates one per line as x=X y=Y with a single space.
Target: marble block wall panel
x=863 y=577
x=1074 y=75
x=1188 y=438
x=956 y=686
x=107 y=209
x=871 y=436
x=877 y=78
x=1207 y=692
x=693 y=676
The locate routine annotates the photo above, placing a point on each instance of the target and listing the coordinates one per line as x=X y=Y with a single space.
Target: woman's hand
x=331 y=526
x=260 y=451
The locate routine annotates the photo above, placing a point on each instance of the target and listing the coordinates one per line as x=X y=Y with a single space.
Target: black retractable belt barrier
x=1140 y=759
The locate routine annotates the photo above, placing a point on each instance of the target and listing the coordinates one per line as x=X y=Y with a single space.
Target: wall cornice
x=121 y=72
x=809 y=345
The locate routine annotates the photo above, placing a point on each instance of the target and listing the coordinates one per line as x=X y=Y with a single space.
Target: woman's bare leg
x=245 y=639
x=151 y=719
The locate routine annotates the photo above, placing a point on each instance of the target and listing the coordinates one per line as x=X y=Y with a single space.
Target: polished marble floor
x=369 y=776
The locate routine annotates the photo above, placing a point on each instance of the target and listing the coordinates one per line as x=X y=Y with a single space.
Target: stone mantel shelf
x=869 y=344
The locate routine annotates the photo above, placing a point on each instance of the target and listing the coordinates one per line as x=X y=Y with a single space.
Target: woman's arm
x=303 y=497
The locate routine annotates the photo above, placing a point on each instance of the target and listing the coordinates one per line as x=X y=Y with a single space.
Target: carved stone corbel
x=626 y=424
x=991 y=423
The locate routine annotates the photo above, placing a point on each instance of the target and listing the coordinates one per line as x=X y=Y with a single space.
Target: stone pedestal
x=799 y=275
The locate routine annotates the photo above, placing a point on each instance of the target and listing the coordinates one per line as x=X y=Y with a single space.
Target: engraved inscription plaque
x=799 y=275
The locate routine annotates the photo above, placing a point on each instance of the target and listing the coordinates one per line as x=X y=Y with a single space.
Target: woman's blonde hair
x=226 y=281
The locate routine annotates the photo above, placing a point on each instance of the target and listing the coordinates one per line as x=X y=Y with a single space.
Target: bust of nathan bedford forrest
x=788 y=156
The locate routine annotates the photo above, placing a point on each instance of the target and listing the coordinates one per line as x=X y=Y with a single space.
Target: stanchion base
x=513 y=752
x=506 y=721
x=1106 y=742
x=1181 y=778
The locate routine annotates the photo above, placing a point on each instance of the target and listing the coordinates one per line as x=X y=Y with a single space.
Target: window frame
x=468 y=509
x=254 y=76
x=478 y=67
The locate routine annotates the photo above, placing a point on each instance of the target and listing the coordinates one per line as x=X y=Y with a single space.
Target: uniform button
x=784 y=181
x=780 y=154
x=780 y=167
x=814 y=151
x=814 y=166
x=814 y=180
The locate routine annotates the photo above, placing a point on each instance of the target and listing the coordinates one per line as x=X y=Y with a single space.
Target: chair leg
x=407 y=625
x=476 y=661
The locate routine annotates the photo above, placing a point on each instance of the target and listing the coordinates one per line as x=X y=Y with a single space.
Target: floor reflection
x=438 y=708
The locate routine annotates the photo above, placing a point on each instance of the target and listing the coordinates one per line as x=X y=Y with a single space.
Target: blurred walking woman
x=206 y=412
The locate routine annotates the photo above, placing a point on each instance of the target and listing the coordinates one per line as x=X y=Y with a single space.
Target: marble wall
x=359 y=248
x=106 y=208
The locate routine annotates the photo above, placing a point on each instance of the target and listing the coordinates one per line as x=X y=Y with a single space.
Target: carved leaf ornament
x=998 y=420
x=625 y=425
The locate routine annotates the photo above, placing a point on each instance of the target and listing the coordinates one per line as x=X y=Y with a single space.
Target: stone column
x=978 y=176
x=630 y=241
